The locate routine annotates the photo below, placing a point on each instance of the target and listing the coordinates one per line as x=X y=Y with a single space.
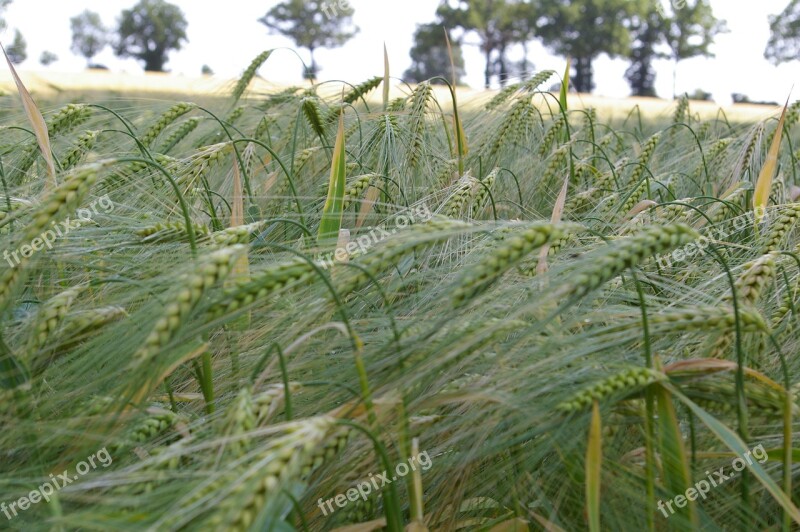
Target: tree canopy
x=497 y=24
x=430 y=56
x=784 y=41
x=149 y=31
x=312 y=24
x=585 y=29
x=18 y=49
x=89 y=36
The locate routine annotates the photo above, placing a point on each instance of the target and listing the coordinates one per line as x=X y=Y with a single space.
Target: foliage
x=691 y=29
x=311 y=24
x=784 y=41
x=585 y=29
x=3 y=6
x=47 y=58
x=498 y=24
x=18 y=49
x=166 y=300
x=149 y=31
x=430 y=57
x=89 y=35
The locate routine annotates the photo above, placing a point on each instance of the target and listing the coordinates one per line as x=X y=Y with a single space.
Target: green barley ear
x=313 y=114
x=57 y=205
x=306 y=445
x=483 y=190
x=361 y=90
x=785 y=219
x=606 y=263
x=420 y=99
x=464 y=189
x=86 y=142
x=249 y=74
x=215 y=268
x=261 y=284
x=50 y=316
x=355 y=188
x=620 y=385
x=201 y=163
x=68 y=118
x=239 y=234
x=77 y=327
x=756 y=276
x=644 y=158
x=267 y=403
x=170 y=232
x=180 y=133
x=171 y=114
x=239 y=420
x=155 y=423
x=681 y=115
x=506 y=255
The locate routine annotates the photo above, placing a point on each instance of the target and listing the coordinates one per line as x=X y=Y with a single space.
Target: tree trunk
x=487 y=73
x=311 y=72
x=582 y=80
x=154 y=62
x=502 y=68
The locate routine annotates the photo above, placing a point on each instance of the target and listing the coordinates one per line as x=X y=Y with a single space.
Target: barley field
x=248 y=311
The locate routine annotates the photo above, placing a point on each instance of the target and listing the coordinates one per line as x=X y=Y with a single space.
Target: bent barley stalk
x=209 y=272
x=605 y=264
x=506 y=255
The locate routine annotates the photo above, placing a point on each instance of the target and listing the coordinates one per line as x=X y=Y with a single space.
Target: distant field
x=164 y=84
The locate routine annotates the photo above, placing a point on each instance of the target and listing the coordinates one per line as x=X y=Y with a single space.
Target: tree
x=312 y=24
x=206 y=70
x=690 y=31
x=648 y=33
x=496 y=23
x=47 y=58
x=18 y=49
x=430 y=57
x=784 y=41
x=89 y=36
x=3 y=5
x=585 y=29
x=149 y=31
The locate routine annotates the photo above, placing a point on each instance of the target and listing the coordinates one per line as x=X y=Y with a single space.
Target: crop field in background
x=369 y=309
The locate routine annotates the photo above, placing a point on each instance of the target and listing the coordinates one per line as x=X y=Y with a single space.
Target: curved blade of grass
x=461 y=138
x=764 y=184
x=594 y=459
x=37 y=122
x=562 y=98
x=558 y=210
x=241 y=268
x=385 y=78
x=332 y=211
x=732 y=441
x=673 y=454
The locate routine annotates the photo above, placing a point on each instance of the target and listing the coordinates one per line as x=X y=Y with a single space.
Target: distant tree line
x=640 y=31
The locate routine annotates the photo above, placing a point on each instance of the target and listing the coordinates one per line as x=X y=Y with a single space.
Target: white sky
x=226 y=36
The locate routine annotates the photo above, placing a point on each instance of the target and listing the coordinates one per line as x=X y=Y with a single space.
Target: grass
x=243 y=345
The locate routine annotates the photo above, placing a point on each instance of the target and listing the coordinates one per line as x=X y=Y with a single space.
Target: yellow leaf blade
x=594 y=459
x=764 y=183
x=36 y=120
